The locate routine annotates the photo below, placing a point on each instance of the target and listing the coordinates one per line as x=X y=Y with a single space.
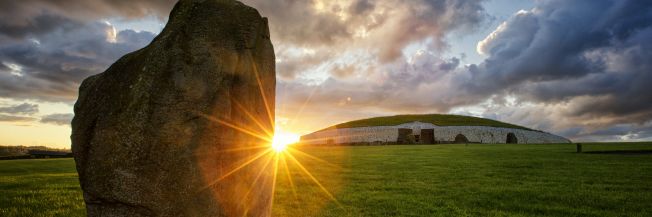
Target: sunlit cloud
x=111 y=33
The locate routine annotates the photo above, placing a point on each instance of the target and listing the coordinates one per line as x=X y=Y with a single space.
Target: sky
x=580 y=69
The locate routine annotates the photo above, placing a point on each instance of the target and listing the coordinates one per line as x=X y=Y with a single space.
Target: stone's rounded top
x=436 y=119
x=215 y=21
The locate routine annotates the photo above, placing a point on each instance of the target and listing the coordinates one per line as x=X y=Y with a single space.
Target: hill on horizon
x=436 y=119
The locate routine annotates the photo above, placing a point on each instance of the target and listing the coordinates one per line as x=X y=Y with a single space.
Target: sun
x=282 y=139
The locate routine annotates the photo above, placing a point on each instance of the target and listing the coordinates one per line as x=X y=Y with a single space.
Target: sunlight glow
x=274 y=151
x=278 y=150
x=282 y=139
x=111 y=33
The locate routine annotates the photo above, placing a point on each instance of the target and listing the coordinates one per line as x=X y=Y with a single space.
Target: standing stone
x=155 y=134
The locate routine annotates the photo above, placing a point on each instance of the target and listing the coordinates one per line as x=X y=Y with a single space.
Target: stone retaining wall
x=443 y=134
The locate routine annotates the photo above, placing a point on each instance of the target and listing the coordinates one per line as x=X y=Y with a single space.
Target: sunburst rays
x=315 y=180
x=257 y=160
x=266 y=159
x=280 y=158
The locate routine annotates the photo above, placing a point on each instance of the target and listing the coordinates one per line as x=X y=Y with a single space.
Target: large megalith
x=180 y=127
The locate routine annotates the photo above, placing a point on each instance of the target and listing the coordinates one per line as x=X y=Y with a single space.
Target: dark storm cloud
x=48 y=47
x=50 y=67
x=38 y=25
x=565 y=50
x=25 y=109
x=26 y=14
x=591 y=59
x=57 y=119
x=555 y=40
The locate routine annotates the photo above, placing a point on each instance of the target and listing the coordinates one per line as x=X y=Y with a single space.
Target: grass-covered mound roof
x=436 y=119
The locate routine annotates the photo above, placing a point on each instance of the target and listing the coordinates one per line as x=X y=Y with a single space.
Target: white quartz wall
x=475 y=134
x=352 y=135
x=483 y=134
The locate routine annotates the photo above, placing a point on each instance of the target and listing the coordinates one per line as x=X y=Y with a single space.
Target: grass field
x=426 y=180
x=40 y=188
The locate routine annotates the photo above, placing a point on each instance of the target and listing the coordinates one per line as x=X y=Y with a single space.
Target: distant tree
x=23 y=150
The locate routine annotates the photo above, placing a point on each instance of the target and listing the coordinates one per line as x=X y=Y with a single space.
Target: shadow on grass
x=621 y=152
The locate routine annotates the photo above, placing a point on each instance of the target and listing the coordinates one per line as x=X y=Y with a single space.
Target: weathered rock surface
x=154 y=135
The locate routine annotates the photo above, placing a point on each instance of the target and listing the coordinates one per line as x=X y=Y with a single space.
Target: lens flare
x=282 y=139
x=249 y=182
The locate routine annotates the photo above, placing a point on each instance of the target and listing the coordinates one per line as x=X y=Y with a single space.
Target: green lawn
x=426 y=180
x=40 y=188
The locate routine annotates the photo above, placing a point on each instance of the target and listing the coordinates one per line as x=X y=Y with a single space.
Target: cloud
x=420 y=85
x=50 y=67
x=19 y=18
x=322 y=23
x=349 y=58
x=361 y=7
x=38 y=25
x=40 y=33
x=577 y=68
x=47 y=48
x=618 y=132
x=343 y=71
x=25 y=109
x=12 y=118
x=381 y=27
x=560 y=40
x=57 y=119
x=589 y=60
